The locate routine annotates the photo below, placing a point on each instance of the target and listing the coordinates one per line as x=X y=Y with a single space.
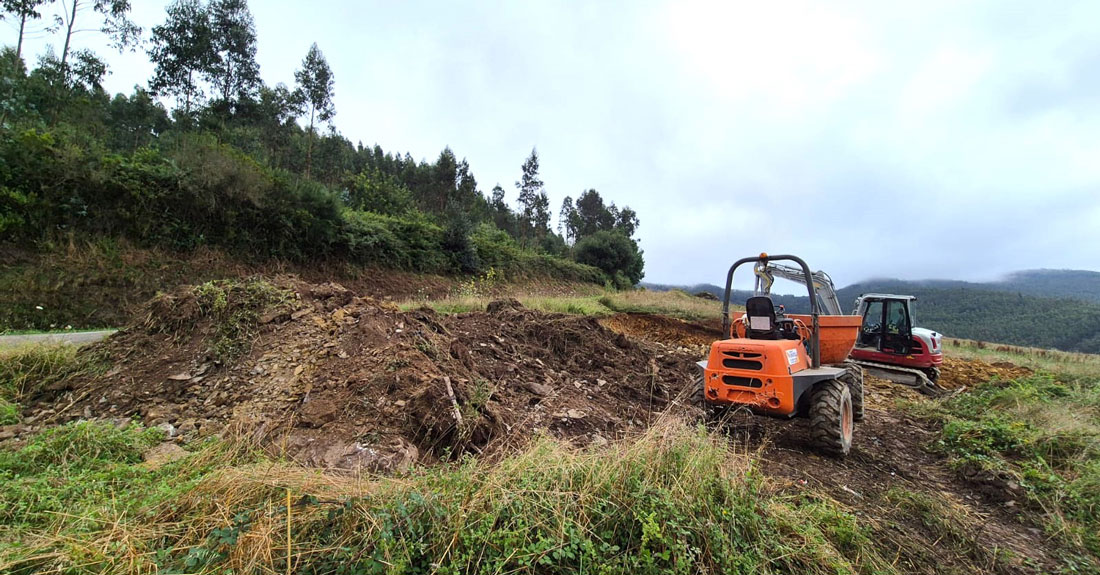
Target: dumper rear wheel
x=831 y=417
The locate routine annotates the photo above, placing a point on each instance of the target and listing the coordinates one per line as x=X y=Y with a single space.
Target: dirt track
x=74 y=338
x=891 y=455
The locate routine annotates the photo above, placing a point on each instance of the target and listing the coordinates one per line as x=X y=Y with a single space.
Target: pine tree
x=315 y=85
x=444 y=178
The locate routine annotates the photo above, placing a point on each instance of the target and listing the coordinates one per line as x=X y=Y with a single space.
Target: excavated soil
x=693 y=336
x=958 y=373
x=343 y=381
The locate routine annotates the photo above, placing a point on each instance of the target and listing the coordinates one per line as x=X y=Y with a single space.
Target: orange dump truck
x=786 y=365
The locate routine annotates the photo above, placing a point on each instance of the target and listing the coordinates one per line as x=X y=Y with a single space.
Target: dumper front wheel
x=699 y=399
x=831 y=417
x=854 y=378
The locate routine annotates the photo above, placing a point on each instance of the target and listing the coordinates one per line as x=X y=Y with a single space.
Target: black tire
x=831 y=421
x=854 y=378
x=699 y=399
x=933 y=374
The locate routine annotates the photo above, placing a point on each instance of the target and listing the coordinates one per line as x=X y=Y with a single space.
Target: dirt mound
x=665 y=330
x=958 y=372
x=344 y=381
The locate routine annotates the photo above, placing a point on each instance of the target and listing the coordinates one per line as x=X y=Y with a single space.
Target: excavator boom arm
x=823 y=284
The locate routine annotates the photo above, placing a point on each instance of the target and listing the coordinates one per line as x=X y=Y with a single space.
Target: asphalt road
x=74 y=338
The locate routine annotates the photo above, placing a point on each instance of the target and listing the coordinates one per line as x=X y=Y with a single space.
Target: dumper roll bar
x=815 y=348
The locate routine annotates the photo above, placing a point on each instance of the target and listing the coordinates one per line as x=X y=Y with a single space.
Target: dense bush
x=498 y=250
x=243 y=177
x=205 y=193
x=614 y=253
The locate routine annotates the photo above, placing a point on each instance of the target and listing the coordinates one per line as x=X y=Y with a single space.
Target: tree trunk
x=19 y=45
x=309 y=143
x=187 y=95
x=69 y=34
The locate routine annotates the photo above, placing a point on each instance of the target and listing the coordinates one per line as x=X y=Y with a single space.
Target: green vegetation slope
x=246 y=169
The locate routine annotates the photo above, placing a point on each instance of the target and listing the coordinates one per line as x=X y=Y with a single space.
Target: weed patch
x=231 y=309
x=676 y=500
x=1039 y=438
x=26 y=370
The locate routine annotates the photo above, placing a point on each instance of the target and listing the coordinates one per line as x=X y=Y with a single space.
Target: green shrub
x=373 y=191
x=617 y=255
x=498 y=250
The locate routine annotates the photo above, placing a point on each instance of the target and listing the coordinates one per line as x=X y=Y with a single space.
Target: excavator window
x=897 y=320
x=871 y=334
x=898 y=335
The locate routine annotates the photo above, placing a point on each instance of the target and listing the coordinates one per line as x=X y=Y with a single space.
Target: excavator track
x=906 y=376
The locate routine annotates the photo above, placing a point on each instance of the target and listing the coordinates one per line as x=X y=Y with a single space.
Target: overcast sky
x=945 y=139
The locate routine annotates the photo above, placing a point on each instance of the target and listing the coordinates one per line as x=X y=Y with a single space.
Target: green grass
x=54 y=331
x=674 y=303
x=1070 y=363
x=671 y=303
x=1041 y=433
x=676 y=500
x=26 y=369
x=77 y=498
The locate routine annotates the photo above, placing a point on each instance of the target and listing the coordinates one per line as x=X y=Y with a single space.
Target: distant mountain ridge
x=1082 y=285
x=1042 y=308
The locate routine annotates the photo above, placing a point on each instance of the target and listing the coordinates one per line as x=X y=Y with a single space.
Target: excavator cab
x=888 y=335
x=887 y=324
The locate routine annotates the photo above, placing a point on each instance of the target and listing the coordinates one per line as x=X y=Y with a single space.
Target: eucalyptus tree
x=24 y=11
x=234 y=74
x=315 y=90
x=114 y=21
x=183 y=52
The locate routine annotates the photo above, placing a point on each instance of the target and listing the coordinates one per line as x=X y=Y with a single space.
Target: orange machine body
x=755 y=373
x=771 y=376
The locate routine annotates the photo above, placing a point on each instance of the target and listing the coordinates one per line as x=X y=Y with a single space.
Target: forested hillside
x=257 y=171
x=1073 y=284
x=988 y=312
x=1000 y=316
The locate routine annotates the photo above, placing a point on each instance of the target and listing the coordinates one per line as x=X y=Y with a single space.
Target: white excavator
x=889 y=346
